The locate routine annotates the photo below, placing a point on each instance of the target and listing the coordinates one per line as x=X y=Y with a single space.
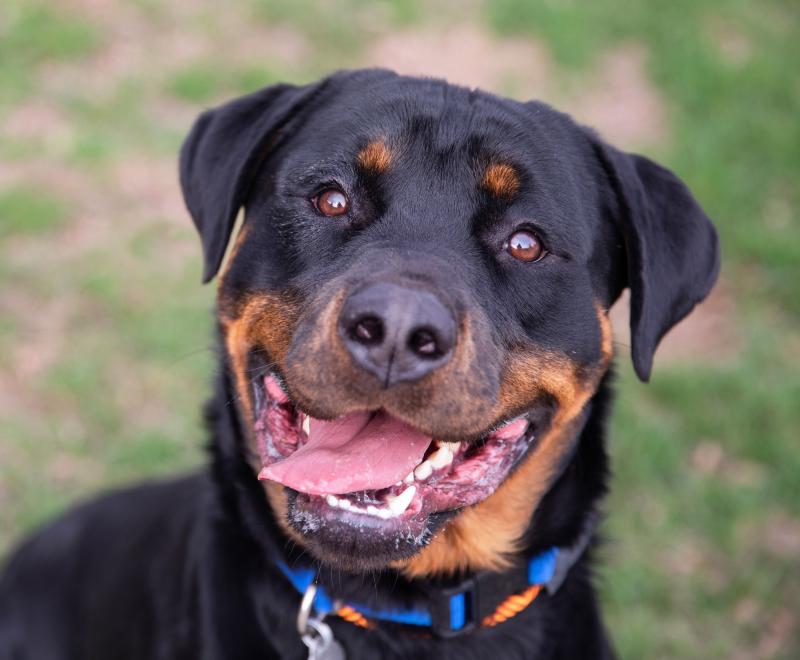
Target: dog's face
x=414 y=311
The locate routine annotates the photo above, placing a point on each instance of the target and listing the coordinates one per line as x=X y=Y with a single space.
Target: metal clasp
x=306 y=605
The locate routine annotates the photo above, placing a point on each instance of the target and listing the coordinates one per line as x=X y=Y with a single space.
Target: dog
x=408 y=426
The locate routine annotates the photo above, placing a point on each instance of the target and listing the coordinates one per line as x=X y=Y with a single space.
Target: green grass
x=24 y=210
x=203 y=82
x=32 y=34
x=105 y=332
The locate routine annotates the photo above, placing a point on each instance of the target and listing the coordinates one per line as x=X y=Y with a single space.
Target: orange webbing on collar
x=352 y=616
x=512 y=606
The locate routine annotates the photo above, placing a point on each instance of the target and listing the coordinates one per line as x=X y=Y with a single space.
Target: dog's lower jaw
x=488 y=535
x=485 y=536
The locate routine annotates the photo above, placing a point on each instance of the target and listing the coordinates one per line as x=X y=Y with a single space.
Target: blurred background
x=105 y=331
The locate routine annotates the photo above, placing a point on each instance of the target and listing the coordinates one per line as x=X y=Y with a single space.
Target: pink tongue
x=359 y=451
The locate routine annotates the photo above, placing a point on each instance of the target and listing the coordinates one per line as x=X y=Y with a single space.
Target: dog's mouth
x=371 y=470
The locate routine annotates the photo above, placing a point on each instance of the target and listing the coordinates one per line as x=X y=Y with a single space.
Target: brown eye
x=524 y=245
x=331 y=202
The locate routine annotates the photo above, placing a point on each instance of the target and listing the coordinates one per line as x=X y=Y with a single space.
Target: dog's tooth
x=452 y=446
x=384 y=513
x=307 y=424
x=399 y=503
x=409 y=478
x=441 y=457
x=372 y=510
x=332 y=500
x=423 y=470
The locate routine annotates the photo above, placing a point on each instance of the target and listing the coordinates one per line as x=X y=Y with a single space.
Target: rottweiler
x=408 y=426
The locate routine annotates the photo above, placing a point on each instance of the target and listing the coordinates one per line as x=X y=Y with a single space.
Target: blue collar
x=457 y=609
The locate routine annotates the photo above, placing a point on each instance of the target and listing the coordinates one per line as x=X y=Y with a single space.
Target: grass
x=204 y=81
x=28 y=211
x=105 y=331
x=33 y=33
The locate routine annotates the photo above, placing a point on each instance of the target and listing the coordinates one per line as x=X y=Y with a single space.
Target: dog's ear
x=671 y=246
x=220 y=158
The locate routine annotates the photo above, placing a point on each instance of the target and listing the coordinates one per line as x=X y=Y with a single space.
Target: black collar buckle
x=461 y=608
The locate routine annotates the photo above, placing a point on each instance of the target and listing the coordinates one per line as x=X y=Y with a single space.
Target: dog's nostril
x=367 y=330
x=423 y=343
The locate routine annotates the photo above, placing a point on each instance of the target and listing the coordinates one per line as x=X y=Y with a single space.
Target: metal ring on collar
x=306 y=605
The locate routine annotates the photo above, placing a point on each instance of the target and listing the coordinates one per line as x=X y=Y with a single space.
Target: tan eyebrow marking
x=375 y=157
x=501 y=180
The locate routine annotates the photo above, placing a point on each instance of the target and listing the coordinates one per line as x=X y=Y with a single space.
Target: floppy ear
x=220 y=158
x=671 y=246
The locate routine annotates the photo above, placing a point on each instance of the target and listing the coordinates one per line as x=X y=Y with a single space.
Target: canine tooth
x=399 y=503
x=452 y=446
x=332 y=500
x=307 y=424
x=423 y=470
x=409 y=477
x=441 y=457
x=384 y=513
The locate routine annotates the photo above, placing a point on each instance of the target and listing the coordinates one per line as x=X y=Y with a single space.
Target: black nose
x=399 y=334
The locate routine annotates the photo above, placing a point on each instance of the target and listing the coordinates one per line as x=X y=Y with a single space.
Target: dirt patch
x=709 y=458
x=732 y=43
x=780 y=536
x=38 y=120
x=150 y=186
x=616 y=97
x=465 y=55
x=42 y=334
x=137 y=45
x=66 y=469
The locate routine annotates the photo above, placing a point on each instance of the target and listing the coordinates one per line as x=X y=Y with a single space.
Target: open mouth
x=372 y=469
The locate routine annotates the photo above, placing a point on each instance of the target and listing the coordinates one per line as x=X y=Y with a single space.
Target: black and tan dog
x=408 y=425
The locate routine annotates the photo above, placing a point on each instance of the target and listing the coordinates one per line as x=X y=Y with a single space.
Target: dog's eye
x=331 y=202
x=524 y=245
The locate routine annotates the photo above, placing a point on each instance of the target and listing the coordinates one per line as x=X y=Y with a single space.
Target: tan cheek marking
x=375 y=157
x=485 y=536
x=501 y=180
x=262 y=320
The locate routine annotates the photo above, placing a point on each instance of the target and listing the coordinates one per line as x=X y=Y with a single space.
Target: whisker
x=190 y=353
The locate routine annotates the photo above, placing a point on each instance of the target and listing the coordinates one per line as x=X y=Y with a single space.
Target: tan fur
x=237 y=244
x=375 y=157
x=485 y=536
x=263 y=320
x=501 y=180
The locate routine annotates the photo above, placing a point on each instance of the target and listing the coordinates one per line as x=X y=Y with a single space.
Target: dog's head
x=414 y=312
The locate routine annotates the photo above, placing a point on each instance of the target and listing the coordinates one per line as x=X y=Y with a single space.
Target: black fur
x=186 y=569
